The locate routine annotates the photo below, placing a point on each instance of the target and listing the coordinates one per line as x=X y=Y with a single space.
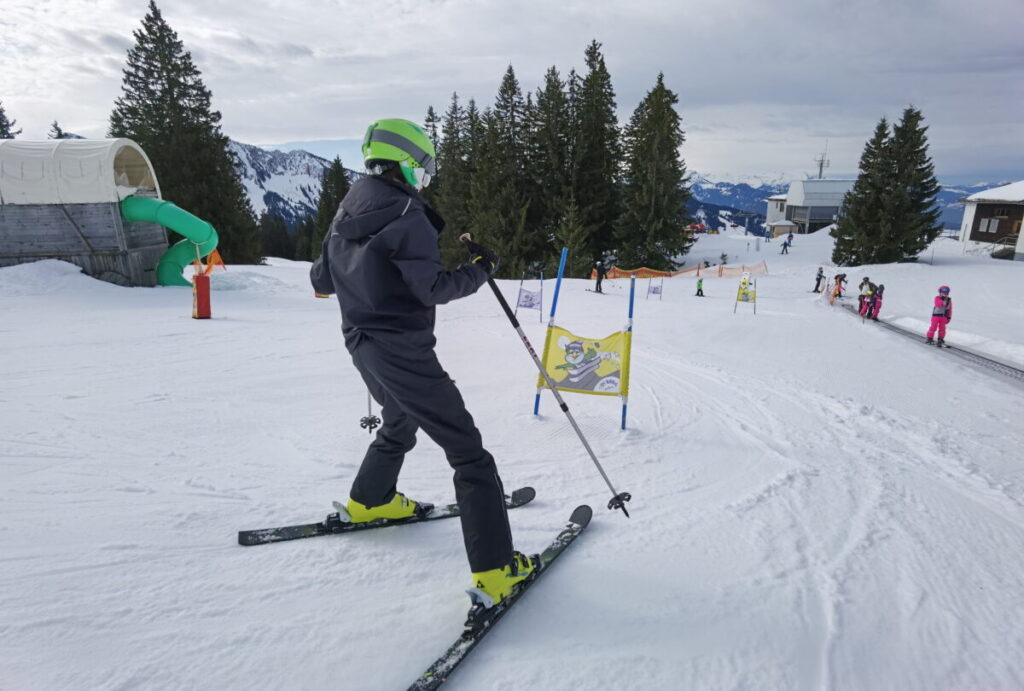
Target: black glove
x=478 y=254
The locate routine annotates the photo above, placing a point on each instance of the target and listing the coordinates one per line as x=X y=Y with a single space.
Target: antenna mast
x=822 y=162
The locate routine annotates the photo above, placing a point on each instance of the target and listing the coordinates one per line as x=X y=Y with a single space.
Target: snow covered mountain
x=283 y=183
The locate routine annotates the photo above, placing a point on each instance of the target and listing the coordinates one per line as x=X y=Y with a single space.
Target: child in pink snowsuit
x=872 y=302
x=942 y=314
x=877 y=307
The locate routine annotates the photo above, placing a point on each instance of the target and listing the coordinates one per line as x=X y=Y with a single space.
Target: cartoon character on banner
x=744 y=292
x=582 y=366
x=529 y=299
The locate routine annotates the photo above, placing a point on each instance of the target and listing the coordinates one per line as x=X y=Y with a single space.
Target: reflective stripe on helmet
x=405 y=144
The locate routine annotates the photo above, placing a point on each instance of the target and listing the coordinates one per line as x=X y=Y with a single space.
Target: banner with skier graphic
x=529 y=299
x=587 y=365
x=747 y=292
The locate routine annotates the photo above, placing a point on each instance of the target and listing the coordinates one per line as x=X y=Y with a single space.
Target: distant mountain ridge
x=744 y=197
x=283 y=183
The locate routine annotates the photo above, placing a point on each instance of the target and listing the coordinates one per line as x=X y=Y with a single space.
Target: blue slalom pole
x=558 y=282
x=629 y=329
x=551 y=321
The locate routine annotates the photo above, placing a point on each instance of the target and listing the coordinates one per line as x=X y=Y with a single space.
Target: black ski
x=482 y=620
x=333 y=523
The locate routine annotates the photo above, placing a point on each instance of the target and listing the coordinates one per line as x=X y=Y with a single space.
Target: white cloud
x=761 y=85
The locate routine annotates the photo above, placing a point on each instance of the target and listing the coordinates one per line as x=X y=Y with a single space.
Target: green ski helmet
x=403 y=142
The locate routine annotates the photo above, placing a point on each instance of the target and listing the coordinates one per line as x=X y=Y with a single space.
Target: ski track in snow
x=817 y=504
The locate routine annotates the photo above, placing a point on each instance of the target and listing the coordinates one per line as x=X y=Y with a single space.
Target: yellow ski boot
x=491 y=587
x=398 y=508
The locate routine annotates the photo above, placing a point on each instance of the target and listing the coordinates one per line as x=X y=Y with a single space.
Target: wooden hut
x=60 y=199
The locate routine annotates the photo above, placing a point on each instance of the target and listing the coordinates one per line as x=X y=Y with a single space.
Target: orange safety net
x=719 y=271
x=642 y=272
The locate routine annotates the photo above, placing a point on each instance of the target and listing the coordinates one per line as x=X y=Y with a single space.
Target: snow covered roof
x=782 y=223
x=1012 y=194
x=72 y=171
x=776 y=198
x=817 y=192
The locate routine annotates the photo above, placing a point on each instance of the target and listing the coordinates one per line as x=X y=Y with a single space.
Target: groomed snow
x=818 y=503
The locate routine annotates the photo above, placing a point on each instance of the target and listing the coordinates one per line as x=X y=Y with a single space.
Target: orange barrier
x=642 y=272
x=719 y=271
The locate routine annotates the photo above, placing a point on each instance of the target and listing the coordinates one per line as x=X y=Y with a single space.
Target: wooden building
x=994 y=216
x=60 y=199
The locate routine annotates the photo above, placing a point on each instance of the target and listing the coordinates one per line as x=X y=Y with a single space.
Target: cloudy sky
x=762 y=85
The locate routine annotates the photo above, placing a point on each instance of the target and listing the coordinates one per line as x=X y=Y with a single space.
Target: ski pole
x=371 y=421
x=619 y=499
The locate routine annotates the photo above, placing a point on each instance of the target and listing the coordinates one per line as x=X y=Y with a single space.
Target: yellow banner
x=746 y=292
x=586 y=365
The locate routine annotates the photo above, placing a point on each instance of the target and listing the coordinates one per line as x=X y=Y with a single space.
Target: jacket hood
x=373 y=203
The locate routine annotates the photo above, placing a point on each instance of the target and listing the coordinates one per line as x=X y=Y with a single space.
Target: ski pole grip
x=464 y=239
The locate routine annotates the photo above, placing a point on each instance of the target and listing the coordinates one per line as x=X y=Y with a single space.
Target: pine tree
x=430 y=124
x=276 y=242
x=334 y=185
x=56 y=132
x=499 y=204
x=548 y=163
x=165 y=107
x=862 y=225
x=304 y=232
x=597 y=154
x=7 y=130
x=651 y=228
x=571 y=234
x=452 y=187
x=915 y=213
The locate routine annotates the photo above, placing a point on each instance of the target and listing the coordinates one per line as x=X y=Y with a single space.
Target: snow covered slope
x=818 y=503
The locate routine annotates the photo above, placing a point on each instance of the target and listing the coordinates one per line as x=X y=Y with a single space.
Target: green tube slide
x=200 y=237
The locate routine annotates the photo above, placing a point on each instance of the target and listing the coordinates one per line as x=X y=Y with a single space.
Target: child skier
x=381 y=258
x=700 y=287
x=601 y=273
x=876 y=302
x=865 y=302
x=866 y=287
x=838 y=288
x=942 y=314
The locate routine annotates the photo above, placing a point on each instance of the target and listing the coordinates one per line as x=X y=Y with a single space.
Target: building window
x=1000 y=212
x=989 y=225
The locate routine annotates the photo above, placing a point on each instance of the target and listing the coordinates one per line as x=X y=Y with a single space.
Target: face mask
x=422 y=177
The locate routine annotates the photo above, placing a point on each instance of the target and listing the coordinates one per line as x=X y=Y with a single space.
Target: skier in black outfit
x=818 y=279
x=601 y=273
x=381 y=258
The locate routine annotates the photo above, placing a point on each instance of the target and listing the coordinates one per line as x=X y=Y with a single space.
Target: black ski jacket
x=381 y=258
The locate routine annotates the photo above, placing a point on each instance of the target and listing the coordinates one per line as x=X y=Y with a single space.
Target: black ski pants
x=414 y=392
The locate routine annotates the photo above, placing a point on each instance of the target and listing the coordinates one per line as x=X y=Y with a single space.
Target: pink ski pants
x=940 y=324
